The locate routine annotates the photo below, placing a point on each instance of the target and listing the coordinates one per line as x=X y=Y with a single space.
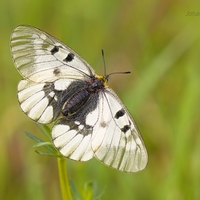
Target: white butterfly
x=90 y=120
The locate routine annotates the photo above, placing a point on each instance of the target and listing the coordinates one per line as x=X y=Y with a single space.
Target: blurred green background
x=159 y=42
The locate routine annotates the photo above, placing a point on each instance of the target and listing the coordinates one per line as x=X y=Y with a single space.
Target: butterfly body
x=79 y=99
x=89 y=119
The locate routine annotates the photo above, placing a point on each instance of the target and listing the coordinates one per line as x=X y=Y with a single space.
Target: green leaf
x=48 y=145
x=33 y=137
x=89 y=190
x=45 y=130
x=75 y=193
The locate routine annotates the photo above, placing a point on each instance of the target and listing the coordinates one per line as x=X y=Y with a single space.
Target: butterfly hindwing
x=72 y=135
x=38 y=101
x=73 y=139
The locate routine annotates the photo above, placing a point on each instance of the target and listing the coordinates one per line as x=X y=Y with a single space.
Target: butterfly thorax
x=79 y=98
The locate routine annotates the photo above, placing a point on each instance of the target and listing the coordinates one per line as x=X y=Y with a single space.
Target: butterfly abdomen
x=75 y=102
x=79 y=99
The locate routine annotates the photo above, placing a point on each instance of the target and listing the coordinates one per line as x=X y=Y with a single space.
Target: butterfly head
x=100 y=81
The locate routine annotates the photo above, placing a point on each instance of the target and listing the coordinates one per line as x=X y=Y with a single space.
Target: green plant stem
x=64 y=183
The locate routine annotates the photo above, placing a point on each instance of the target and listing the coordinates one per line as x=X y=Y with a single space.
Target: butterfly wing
x=73 y=139
x=40 y=57
x=48 y=67
x=116 y=141
x=107 y=132
x=72 y=135
x=38 y=101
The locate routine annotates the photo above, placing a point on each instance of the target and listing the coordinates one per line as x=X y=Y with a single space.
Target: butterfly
x=89 y=118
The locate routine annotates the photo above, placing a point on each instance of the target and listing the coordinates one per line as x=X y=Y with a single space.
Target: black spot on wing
x=69 y=57
x=119 y=114
x=54 y=50
x=56 y=71
x=125 y=128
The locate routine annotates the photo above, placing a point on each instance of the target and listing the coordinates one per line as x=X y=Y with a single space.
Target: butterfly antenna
x=104 y=63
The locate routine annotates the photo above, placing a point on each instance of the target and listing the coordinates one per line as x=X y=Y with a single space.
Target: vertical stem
x=64 y=183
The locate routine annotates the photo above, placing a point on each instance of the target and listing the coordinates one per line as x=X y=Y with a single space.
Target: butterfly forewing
x=41 y=57
x=116 y=140
x=89 y=119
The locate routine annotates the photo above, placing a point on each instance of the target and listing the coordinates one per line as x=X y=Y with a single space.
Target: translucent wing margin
x=40 y=57
x=116 y=140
